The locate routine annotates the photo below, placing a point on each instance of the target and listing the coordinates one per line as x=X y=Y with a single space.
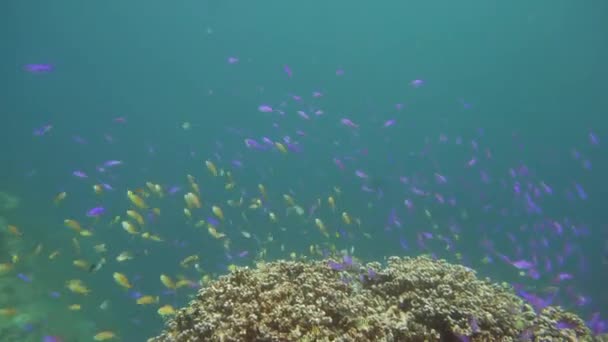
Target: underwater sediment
x=411 y=299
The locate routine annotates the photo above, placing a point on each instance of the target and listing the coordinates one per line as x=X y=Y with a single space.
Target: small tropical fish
x=73 y=224
x=152 y=237
x=192 y=201
x=83 y=264
x=189 y=260
x=104 y=336
x=38 y=68
x=146 y=300
x=211 y=167
x=96 y=211
x=167 y=281
x=124 y=256
x=77 y=286
x=166 y=310
x=218 y=212
x=136 y=216
x=98 y=189
x=280 y=147
x=332 y=203
x=346 y=218
x=136 y=200
x=122 y=280
x=129 y=227
x=74 y=307
x=60 y=197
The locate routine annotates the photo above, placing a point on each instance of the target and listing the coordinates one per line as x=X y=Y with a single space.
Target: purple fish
x=417 y=83
x=213 y=221
x=111 y=163
x=24 y=278
x=38 y=68
x=522 y=264
x=389 y=123
x=42 y=130
x=79 y=174
x=287 y=70
x=265 y=109
x=96 y=212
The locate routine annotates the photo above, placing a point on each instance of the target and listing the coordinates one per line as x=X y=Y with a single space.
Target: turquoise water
x=484 y=164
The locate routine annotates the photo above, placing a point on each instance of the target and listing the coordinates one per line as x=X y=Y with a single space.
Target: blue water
x=486 y=162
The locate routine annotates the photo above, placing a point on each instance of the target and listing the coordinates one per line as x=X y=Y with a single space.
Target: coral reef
x=412 y=299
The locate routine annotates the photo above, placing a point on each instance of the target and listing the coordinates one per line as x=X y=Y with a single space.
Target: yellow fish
x=346 y=218
x=98 y=189
x=104 y=336
x=262 y=190
x=166 y=310
x=136 y=200
x=77 y=286
x=73 y=224
x=86 y=233
x=192 y=201
x=189 y=260
x=80 y=263
x=167 y=281
x=136 y=216
x=145 y=300
x=54 y=254
x=211 y=167
x=124 y=256
x=218 y=212
x=272 y=217
x=280 y=147
x=152 y=237
x=60 y=197
x=213 y=232
x=101 y=248
x=289 y=200
x=332 y=203
x=321 y=227
x=74 y=307
x=183 y=283
x=129 y=227
x=122 y=280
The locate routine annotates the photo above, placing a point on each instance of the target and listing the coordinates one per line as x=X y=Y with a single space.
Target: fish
x=77 y=286
x=38 y=68
x=166 y=310
x=167 y=281
x=104 y=336
x=136 y=200
x=218 y=212
x=96 y=212
x=211 y=167
x=146 y=300
x=121 y=280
